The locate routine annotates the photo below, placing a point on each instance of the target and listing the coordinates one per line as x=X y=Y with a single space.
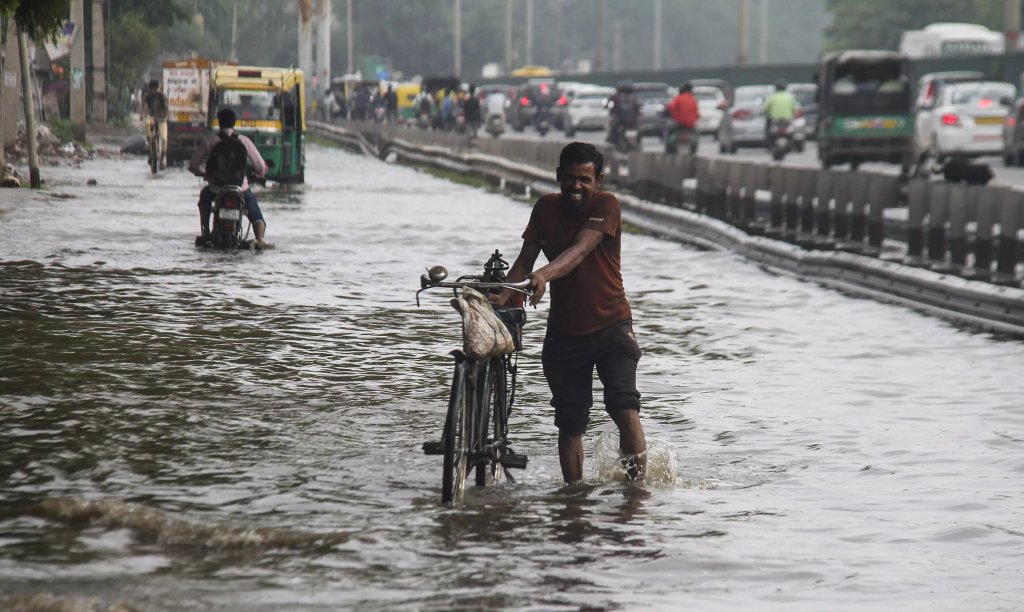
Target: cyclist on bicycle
x=590 y=323
x=154 y=113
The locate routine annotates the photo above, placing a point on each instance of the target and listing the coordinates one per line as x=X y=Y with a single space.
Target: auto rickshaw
x=407 y=93
x=866 y=109
x=269 y=105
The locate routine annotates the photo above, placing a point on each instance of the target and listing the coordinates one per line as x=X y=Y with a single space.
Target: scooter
x=780 y=138
x=495 y=125
x=542 y=122
x=423 y=120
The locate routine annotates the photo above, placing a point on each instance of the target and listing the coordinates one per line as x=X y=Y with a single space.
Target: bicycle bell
x=437 y=273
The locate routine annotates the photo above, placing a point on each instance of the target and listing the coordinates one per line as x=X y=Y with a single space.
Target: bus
x=951 y=40
x=269 y=105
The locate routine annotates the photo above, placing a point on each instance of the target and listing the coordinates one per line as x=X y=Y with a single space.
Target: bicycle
x=155 y=144
x=475 y=434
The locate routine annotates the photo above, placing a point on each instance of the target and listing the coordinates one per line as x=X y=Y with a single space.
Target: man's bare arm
x=520 y=270
x=565 y=263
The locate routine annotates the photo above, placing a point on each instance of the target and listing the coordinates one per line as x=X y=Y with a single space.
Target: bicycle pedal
x=514 y=461
x=433 y=448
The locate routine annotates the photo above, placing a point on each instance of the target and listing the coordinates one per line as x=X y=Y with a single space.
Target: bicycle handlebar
x=473 y=282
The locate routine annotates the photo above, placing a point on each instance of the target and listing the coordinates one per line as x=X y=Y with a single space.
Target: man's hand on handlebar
x=537 y=285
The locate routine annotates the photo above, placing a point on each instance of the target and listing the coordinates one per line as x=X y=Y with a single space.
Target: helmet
x=687 y=86
x=625 y=86
x=781 y=84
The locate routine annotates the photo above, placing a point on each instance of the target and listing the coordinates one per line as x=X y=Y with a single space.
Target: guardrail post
x=959 y=198
x=884 y=194
x=703 y=184
x=808 y=191
x=734 y=210
x=938 y=213
x=841 y=196
x=860 y=195
x=777 y=211
x=917 y=206
x=823 y=197
x=988 y=204
x=792 y=211
x=1009 y=224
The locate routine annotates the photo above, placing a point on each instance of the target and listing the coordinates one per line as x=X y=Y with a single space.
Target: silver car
x=744 y=124
x=587 y=109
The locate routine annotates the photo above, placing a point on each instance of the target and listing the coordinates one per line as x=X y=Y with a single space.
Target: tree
x=38 y=18
x=878 y=24
x=133 y=45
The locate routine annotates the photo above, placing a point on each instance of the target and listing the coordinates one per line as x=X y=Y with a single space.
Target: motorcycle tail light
x=1011 y=121
x=740 y=114
x=950 y=119
x=563 y=101
x=799 y=113
x=524 y=101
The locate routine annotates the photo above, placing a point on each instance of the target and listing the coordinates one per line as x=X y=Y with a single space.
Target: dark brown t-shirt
x=591 y=297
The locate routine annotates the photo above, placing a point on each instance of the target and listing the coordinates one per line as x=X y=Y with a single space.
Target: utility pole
x=657 y=34
x=234 y=31
x=743 y=33
x=12 y=84
x=529 y=32
x=323 y=46
x=77 y=72
x=1012 y=28
x=764 y=31
x=30 y=117
x=458 y=37
x=508 y=36
x=599 y=52
x=351 y=43
x=99 y=63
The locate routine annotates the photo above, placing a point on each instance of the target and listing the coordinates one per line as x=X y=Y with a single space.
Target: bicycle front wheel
x=154 y=153
x=453 y=479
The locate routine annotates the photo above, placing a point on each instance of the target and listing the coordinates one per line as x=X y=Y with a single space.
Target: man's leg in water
x=259 y=226
x=206 y=198
x=570 y=374
x=617 y=354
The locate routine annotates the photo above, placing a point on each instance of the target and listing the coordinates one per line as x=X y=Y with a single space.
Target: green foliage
x=158 y=14
x=40 y=18
x=878 y=24
x=133 y=46
x=61 y=128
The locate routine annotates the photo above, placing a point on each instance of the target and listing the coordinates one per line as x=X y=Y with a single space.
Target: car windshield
x=753 y=95
x=978 y=93
x=805 y=96
x=248 y=104
x=708 y=96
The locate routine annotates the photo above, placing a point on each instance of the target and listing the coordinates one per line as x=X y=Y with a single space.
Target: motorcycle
x=379 y=114
x=496 y=125
x=424 y=120
x=681 y=136
x=626 y=136
x=227 y=214
x=780 y=138
x=542 y=122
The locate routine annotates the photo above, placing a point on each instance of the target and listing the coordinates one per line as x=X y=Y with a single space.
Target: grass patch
x=320 y=139
x=454 y=177
x=61 y=128
x=629 y=228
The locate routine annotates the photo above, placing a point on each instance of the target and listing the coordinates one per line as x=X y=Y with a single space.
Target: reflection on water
x=186 y=430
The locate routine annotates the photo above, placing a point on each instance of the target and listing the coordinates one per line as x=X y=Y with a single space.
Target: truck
x=187 y=86
x=951 y=40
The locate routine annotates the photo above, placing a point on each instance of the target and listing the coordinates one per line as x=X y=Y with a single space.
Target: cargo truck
x=187 y=85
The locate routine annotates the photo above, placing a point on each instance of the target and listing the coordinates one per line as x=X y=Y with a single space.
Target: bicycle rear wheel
x=154 y=152
x=453 y=478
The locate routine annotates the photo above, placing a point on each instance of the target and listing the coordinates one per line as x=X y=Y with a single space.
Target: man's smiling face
x=579 y=182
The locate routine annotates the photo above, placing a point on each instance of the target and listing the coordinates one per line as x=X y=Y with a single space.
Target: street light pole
x=1012 y=28
x=234 y=31
x=351 y=45
x=458 y=37
x=30 y=116
x=599 y=52
x=508 y=36
x=743 y=33
x=657 y=34
x=529 y=32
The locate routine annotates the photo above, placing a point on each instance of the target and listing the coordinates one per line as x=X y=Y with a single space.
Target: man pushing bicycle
x=590 y=322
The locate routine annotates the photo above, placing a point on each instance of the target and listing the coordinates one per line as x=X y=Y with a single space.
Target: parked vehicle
x=807 y=97
x=743 y=125
x=270 y=106
x=653 y=98
x=712 y=104
x=588 y=110
x=968 y=120
x=951 y=40
x=866 y=111
x=929 y=95
x=781 y=136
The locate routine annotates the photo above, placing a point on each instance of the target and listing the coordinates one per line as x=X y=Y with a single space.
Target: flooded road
x=184 y=430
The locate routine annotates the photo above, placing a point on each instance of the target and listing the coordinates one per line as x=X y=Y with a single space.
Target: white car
x=711 y=103
x=588 y=109
x=967 y=120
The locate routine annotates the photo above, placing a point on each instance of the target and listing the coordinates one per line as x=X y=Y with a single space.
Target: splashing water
x=662 y=466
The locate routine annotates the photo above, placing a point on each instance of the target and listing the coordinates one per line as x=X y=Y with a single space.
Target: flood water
x=185 y=430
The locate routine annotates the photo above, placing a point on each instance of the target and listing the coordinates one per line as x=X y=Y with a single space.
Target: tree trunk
x=30 y=118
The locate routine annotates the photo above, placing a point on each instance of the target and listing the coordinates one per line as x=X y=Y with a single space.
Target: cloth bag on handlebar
x=483 y=333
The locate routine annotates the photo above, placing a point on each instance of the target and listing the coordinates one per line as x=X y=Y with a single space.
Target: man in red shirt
x=590 y=322
x=685 y=113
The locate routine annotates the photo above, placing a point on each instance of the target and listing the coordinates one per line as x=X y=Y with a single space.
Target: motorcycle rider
x=684 y=112
x=779 y=105
x=154 y=113
x=390 y=105
x=495 y=104
x=226 y=121
x=625 y=110
x=543 y=101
